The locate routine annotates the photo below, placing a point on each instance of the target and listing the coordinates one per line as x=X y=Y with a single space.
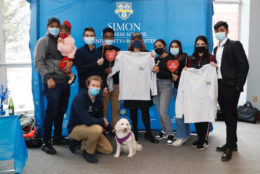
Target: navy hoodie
x=84 y=111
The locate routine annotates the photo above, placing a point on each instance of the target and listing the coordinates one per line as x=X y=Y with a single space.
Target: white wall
x=253 y=82
x=244 y=38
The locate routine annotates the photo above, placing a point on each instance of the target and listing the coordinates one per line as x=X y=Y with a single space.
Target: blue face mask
x=54 y=31
x=220 y=36
x=94 y=91
x=137 y=44
x=89 y=40
x=174 y=51
x=108 y=42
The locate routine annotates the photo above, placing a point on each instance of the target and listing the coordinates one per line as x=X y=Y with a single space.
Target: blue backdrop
x=167 y=19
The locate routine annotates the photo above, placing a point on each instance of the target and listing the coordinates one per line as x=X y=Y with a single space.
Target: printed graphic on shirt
x=90 y=109
x=208 y=83
x=141 y=68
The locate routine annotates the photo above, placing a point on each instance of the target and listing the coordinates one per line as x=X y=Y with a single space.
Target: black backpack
x=247 y=113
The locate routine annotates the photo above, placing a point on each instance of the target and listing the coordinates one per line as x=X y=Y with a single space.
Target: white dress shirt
x=197 y=95
x=218 y=56
x=136 y=79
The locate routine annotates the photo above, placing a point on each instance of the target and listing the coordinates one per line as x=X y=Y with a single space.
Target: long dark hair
x=180 y=47
x=204 y=39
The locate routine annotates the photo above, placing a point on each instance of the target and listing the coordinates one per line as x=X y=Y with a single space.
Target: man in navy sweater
x=87 y=121
x=88 y=60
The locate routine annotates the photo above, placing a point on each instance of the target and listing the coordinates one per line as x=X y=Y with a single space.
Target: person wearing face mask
x=86 y=122
x=55 y=84
x=164 y=87
x=137 y=82
x=66 y=45
x=182 y=129
x=201 y=57
x=89 y=60
x=232 y=72
x=108 y=38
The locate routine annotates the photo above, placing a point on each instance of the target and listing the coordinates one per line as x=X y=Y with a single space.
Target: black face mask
x=201 y=49
x=159 y=51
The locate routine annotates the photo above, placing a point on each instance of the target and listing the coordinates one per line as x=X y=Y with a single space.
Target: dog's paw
x=130 y=155
x=116 y=156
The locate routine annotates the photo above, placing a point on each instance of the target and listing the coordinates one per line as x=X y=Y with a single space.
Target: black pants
x=145 y=118
x=57 y=103
x=202 y=129
x=228 y=97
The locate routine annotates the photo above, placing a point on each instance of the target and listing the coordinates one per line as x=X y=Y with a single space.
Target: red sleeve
x=189 y=63
x=212 y=58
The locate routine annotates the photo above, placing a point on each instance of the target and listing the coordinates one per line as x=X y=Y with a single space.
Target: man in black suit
x=232 y=68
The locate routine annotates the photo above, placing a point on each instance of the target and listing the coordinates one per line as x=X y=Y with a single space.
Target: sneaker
x=60 y=141
x=202 y=146
x=47 y=147
x=72 y=78
x=74 y=145
x=89 y=157
x=170 y=139
x=179 y=142
x=195 y=144
x=160 y=136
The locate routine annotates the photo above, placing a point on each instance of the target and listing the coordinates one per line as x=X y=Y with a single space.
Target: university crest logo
x=124 y=10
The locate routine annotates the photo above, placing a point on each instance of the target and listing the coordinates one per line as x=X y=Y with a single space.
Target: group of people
x=143 y=75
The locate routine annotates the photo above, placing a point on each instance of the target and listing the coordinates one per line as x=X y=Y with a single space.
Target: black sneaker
x=170 y=139
x=73 y=145
x=47 y=147
x=202 y=146
x=60 y=141
x=196 y=143
x=160 y=136
x=89 y=157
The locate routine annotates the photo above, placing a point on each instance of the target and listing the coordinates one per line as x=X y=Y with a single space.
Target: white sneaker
x=179 y=141
x=161 y=135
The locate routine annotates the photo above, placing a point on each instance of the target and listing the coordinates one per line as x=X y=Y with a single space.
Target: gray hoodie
x=47 y=59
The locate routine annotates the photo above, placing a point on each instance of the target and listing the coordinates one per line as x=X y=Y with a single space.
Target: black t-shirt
x=164 y=72
x=107 y=63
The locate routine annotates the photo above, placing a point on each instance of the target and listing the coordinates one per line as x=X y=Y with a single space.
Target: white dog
x=125 y=139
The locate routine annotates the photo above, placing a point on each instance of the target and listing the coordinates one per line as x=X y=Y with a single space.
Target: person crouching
x=87 y=122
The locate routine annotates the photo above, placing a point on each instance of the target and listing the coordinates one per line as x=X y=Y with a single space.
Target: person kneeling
x=86 y=123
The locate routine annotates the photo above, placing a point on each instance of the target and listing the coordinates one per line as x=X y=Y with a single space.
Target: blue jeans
x=163 y=100
x=57 y=104
x=182 y=129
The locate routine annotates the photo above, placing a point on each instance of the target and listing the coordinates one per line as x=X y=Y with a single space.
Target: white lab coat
x=197 y=95
x=136 y=79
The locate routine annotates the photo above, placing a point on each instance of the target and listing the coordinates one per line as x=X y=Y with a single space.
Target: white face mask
x=54 y=31
x=109 y=42
x=220 y=36
x=89 y=40
x=174 y=51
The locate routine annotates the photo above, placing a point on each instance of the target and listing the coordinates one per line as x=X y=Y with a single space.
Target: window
x=229 y=11
x=15 y=64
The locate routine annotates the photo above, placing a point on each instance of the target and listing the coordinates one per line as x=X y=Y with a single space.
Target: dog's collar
x=122 y=140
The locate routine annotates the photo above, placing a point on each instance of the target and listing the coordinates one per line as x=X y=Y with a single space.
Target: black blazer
x=234 y=64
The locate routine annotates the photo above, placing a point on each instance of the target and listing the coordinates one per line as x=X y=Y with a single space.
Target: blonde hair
x=94 y=78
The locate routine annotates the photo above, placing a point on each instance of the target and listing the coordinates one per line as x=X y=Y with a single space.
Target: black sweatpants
x=145 y=118
x=202 y=129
